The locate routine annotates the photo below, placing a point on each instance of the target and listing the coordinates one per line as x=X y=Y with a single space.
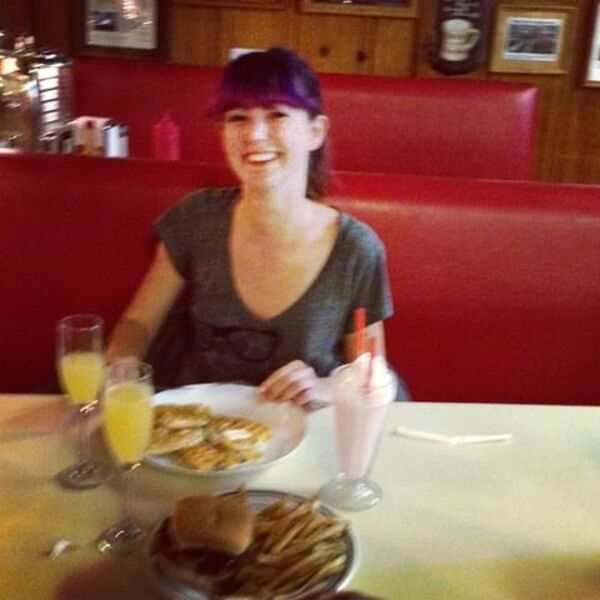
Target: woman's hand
x=295 y=382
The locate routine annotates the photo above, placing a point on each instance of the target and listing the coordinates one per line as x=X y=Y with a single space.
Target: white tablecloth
x=516 y=521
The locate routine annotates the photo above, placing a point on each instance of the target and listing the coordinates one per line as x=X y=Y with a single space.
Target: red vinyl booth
x=495 y=283
x=443 y=127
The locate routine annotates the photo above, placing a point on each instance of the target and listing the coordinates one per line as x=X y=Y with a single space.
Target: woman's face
x=268 y=147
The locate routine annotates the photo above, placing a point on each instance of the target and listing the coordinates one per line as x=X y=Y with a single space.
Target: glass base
x=122 y=539
x=83 y=475
x=350 y=494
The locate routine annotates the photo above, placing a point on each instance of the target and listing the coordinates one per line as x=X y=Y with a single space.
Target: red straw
x=360 y=319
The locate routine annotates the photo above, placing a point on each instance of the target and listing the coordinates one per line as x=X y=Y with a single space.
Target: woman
x=272 y=276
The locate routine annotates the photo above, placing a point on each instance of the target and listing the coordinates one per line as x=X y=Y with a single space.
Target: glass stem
x=83 y=437
x=128 y=476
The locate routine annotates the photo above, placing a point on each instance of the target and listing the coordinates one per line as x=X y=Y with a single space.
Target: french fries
x=295 y=548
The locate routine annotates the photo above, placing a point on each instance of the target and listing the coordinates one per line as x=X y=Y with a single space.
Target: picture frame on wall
x=591 y=75
x=374 y=8
x=530 y=39
x=120 y=28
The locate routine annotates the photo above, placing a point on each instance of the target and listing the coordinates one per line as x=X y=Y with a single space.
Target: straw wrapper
x=452 y=439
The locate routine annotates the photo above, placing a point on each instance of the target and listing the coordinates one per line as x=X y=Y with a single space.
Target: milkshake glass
x=361 y=396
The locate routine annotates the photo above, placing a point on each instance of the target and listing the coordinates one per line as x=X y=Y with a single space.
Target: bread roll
x=216 y=523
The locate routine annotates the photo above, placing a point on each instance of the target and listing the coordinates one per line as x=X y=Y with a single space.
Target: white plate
x=257 y=499
x=287 y=423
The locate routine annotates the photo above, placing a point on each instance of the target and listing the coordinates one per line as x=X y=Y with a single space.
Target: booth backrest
x=443 y=127
x=496 y=284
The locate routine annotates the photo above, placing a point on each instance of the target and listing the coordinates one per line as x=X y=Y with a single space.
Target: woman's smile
x=260 y=158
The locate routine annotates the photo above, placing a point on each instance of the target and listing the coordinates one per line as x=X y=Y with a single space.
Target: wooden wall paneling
x=559 y=106
x=580 y=144
x=394 y=47
x=336 y=44
x=243 y=28
x=581 y=148
x=580 y=169
x=551 y=122
x=194 y=35
x=16 y=17
x=53 y=28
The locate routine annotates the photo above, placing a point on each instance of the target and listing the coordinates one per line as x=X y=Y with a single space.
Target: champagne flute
x=127 y=417
x=80 y=365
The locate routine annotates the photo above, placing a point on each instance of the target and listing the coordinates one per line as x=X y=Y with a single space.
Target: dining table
x=512 y=519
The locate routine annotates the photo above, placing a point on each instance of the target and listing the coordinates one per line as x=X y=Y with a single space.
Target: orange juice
x=81 y=375
x=128 y=415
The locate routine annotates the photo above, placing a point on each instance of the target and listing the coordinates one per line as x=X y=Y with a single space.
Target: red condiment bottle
x=166 y=139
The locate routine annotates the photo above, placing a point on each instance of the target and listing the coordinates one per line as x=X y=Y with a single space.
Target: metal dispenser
x=35 y=100
x=19 y=108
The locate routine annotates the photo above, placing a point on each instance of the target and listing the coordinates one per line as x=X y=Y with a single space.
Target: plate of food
x=216 y=429
x=255 y=545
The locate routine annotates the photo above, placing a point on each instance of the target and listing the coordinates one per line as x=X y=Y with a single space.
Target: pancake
x=181 y=416
x=239 y=431
x=165 y=440
x=215 y=456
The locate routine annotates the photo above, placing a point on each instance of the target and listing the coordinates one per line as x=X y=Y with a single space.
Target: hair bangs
x=264 y=79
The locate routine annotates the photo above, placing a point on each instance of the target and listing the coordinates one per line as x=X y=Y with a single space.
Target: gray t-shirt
x=226 y=341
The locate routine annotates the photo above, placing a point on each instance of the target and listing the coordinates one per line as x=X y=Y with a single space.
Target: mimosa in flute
x=80 y=365
x=127 y=416
x=81 y=375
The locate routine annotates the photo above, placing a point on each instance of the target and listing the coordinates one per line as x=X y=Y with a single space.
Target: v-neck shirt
x=230 y=343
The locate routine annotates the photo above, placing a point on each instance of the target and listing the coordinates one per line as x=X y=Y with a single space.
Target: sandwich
x=203 y=540
x=222 y=524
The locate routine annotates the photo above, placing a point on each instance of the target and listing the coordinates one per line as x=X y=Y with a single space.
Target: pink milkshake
x=360 y=408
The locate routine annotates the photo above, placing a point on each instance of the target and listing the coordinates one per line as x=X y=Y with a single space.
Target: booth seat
x=441 y=127
x=496 y=284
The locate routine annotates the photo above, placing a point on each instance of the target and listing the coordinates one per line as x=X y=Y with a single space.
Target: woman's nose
x=257 y=129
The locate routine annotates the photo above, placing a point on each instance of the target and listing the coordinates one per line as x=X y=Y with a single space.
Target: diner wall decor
x=375 y=8
x=591 y=76
x=120 y=28
x=461 y=35
x=532 y=39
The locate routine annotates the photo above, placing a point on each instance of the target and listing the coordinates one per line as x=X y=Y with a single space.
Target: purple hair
x=275 y=76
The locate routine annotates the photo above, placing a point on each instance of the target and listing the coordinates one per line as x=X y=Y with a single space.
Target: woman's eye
x=278 y=114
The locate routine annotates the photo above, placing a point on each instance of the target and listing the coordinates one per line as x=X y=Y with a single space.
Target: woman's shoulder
x=357 y=234
x=207 y=206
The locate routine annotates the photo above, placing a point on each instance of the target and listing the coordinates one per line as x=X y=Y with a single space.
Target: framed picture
x=120 y=28
x=376 y=8
x=532 y=39
x=591 y=76
x=268 y=4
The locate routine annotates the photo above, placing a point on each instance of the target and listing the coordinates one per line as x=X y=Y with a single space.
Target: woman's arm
x=297 y=382
x=138 y=325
